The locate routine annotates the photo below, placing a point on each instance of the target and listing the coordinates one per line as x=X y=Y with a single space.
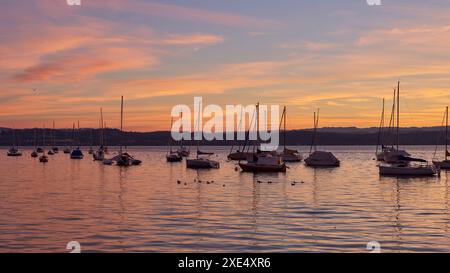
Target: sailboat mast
x=257 y=127
x=446 y=134
x=198 y=127
x=53 y=134
x=380 y=130
x=398 y=115
x=284 y=137
x=79 y=137
x=102 y=127
x=121 y=124
x=314 y=135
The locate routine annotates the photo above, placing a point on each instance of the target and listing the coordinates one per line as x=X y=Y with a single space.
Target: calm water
x=106 y=208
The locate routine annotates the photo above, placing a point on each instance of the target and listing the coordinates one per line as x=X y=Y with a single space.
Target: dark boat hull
x=239 y=156
x=255 y=168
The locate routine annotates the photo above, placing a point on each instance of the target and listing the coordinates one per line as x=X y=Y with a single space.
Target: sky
x=342 y=56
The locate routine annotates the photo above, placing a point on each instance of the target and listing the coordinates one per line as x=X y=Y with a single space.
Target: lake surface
x=144 y=209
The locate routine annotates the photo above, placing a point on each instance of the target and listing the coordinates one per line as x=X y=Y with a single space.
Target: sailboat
x=288 y=155
x=54 y=148
x=172 y=156
x=99 y=155
x=50 y=151
x=404 y=165
x=43 y=158
x=262 y=161
x=389 y=153
x=123 y=159
x=14 y=149
x=35 y=154
x=240 y=153
x=320 y=158
x=201 y=162
x=91 y=148
x=77 y=153
x=445 y=164
x=183 y=151
x=68 y=149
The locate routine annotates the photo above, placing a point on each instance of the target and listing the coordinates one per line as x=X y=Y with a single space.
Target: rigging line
x=392 y=121
x=440 y=135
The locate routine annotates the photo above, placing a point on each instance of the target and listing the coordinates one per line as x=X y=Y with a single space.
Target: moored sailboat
x=123 y=159
x=172 y=156
x=320 y=158
x=55 y=149
x=400 y=165
x=14 y=149
x=267 y=161
x=34 y=153
x=77 y=153
x=99 y=155
x=201 y=162
x=288 y=155
x=389 y=153
x=444 y=164
x=43 y=158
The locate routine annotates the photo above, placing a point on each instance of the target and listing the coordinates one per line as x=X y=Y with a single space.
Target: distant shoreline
x=325 y=137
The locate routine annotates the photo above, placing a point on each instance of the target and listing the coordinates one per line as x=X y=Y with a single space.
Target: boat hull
x=14 y=154
x=174 y=158
x=256 y=168
x=239 y=156
x=407 y=171
x=202 y=164
x=291 y=158
x=443 y=165
x=323 y=164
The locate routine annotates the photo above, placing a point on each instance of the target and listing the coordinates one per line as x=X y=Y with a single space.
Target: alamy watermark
x=263 y=123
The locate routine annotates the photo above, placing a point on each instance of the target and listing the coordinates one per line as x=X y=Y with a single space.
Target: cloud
x=309 y=45
x=180 y=13
x=191 y=39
